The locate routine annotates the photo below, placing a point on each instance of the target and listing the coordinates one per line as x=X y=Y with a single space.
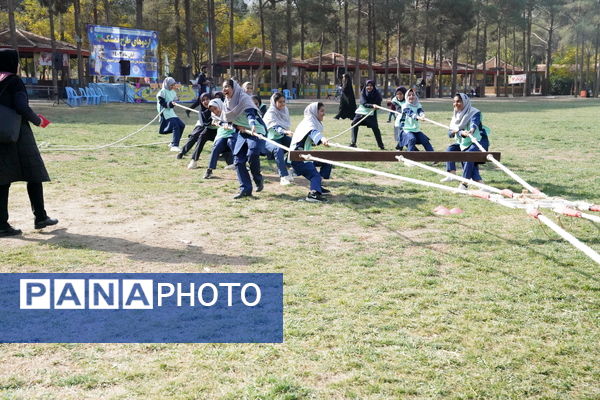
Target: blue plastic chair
x=287 y=94
x=95 y=98
x=99 y=92
x=73 y=99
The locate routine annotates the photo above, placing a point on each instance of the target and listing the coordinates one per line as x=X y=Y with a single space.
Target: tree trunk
x=356 y=64
x=53 y=46
x=212 y=56
x=434 y=56
x=289 y=44
x=387 y=62
x=514 y=60
x=398 y=53
x=231 y=38
x=476 y=57
x=440 y=83
x=178 y=54
x=497 y=75
x=139 y=14
x=413 y=45
x=454 y=61
x=319 y=67
x=546 y=85
x=11 y=23
x=346 y=38
x=189 y=36
x=576 y=85
x=78 y=40
x=107 y=12
x=263 y=43
x=484 y=66
x=596 y=69
x=528 y=54
x=273 y=48
x=425 y=46
x=370 y=38
x=95 y=11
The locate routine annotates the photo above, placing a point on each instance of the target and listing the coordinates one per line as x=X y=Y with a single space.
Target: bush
x=560 y=85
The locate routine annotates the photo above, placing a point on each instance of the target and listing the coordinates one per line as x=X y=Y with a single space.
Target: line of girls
x=235 y=119
x=407 y=127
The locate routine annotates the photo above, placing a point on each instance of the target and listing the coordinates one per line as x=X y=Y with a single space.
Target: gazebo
x=36 y=50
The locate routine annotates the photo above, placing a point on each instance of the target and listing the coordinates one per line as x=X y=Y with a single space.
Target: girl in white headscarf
x=466 y=120
x=240 y=110
x=308 y=133
x=224 y=142
x=277 y=119
x=412 y=112
x=169 y=122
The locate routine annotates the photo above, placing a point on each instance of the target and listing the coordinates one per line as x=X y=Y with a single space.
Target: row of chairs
x=91 y=95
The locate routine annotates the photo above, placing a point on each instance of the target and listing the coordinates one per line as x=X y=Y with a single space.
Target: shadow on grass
x=140 y=251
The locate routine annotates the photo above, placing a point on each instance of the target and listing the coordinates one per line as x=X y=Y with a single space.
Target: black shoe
x=352 y=145
x=382 y=148
x=46 y=222
x=179 y=156
x=242 y=194
x=315 y=197
x=260 y=185
x=325 y=192
x=208 y=173
x=9 y=231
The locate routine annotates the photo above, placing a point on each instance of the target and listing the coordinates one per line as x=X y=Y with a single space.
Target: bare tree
x=11 y=23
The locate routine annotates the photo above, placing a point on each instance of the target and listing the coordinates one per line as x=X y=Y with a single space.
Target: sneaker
x=230 y=166
x=9 y=231
x=315 y=197
x=208 y=173
x=293 y=174
x=325 y=192
x=447 y=179
x=175 y=148
x=179 y=156
x=260 y=185
x=193 y=164
x=285 y=180
x=463 y=186
x=46 y=222
x=242 y=194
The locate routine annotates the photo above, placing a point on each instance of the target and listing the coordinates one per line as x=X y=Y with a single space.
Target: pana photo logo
x=136 y=308
x=133 y=294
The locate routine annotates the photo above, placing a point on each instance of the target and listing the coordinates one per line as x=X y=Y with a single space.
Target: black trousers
x=369 y=122
x=35 y=191
x=201 y=135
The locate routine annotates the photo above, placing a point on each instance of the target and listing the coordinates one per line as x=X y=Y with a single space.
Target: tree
x=139 y=13
x=11 y=22
x=549 y=10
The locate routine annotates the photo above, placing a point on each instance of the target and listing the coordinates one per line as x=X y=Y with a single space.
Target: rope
x=341 y=146
x=408 y=162
x=353 y=126
x=565 y=235
x=105 y=145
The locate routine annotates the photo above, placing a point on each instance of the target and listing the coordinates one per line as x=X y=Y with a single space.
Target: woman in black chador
x=20 y=161
x=347 y=100
x=369 y=96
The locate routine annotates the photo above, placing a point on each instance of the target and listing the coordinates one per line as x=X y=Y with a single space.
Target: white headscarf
x=238 y=103
x=275 y=116
x=462 y=118
x=216 y=102
x=168 y=82
x=309 y=123
x=417 y=103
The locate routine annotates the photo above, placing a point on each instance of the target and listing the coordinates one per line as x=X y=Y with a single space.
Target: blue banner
x=141 y=308
x=111 y=44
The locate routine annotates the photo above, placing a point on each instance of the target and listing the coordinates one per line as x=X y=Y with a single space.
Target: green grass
x=383 y=299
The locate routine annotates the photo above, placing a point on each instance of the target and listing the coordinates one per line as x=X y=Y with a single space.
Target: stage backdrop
x=111 y=44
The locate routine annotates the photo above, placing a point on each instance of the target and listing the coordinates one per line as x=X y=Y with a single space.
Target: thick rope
x=353 y=126
x=102 y=146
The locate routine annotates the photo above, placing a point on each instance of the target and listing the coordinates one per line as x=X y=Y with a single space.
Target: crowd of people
x=237 y=123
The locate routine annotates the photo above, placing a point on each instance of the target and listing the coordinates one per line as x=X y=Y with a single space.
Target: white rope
x=341 y=146
x=186 y=108
x=353 y=126
x=566 y=235
x=408 y=162
x=102 y=146
x=506 y=169
x=386 y=174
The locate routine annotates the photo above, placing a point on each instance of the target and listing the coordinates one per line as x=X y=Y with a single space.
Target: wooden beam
x=436 y=156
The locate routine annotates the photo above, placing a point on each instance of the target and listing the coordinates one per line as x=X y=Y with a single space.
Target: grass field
x=383 y=299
